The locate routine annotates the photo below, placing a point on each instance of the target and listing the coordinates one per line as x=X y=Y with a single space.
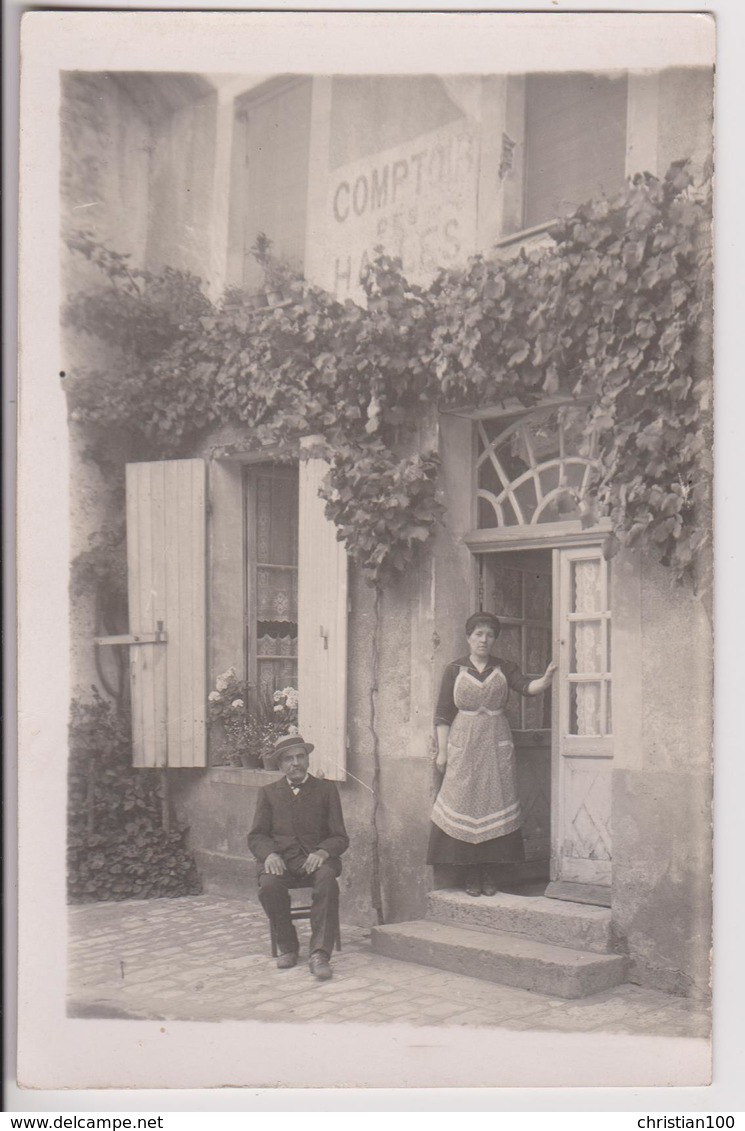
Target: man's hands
x=314 y=861
x=274 y=864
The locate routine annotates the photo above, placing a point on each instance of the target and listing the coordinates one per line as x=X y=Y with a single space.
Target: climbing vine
x=615 y=309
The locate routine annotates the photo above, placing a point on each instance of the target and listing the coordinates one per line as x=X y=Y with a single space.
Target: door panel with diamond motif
x=583 y=751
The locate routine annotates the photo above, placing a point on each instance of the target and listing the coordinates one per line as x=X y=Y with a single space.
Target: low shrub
x=117 y=844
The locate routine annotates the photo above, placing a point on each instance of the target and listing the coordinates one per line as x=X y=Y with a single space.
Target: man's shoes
x=287 y=960
x=488 y=887
x=319 y=966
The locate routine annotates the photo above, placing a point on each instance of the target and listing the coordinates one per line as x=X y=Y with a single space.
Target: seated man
x=298 y=835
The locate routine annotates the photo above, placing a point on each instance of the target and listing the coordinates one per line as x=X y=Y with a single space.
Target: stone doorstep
x=508 y=959
x=575 y=925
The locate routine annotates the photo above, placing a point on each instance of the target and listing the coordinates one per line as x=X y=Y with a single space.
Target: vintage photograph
x=389 y=433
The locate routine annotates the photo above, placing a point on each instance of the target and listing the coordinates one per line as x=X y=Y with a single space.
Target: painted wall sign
x=417 y=201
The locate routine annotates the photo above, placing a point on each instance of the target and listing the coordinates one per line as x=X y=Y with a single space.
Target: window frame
x=249 y=476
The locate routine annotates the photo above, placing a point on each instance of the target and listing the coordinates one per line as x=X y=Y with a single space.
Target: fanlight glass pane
x=525 y=496
x=489 y=479
x=550 y=477
x=486 y=517
x=574 y=474
x=547 y=443
x=558 y=509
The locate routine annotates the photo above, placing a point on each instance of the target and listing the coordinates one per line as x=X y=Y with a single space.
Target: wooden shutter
x=322 y=628
x=575 y=142
x=275 y=188
x=166 y=557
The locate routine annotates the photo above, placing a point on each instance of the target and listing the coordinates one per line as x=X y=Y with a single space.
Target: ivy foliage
x=615 y=309
x=117 y=847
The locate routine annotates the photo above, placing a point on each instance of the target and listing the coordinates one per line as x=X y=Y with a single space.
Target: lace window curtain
x=274 y=600
x=587 y=648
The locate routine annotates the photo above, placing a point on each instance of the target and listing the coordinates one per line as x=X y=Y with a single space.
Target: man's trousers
x=274 y=893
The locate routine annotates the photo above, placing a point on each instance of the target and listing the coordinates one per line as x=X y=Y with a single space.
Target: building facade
x=232 y=562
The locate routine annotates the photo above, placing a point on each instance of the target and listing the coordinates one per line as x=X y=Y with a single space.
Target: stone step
x=574 y=925
x=511 y=960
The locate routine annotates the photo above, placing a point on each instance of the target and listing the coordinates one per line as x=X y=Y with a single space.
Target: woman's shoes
x=480 y=880
x=489 y=884
x=473 y=883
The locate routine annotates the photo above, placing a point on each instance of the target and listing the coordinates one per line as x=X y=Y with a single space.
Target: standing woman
x=476 y=818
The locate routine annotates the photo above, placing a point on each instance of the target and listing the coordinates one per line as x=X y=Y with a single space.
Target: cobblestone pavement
x=207 y=958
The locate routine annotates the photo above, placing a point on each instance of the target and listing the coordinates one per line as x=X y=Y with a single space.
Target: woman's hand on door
x=536 y=686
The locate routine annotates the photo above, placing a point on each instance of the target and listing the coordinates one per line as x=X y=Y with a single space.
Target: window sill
x=241 y=775
x=537 y=235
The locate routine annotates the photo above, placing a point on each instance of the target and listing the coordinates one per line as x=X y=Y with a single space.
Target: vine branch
x=376 y=888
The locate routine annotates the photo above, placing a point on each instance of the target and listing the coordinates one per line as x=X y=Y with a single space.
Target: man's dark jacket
x=293 y=825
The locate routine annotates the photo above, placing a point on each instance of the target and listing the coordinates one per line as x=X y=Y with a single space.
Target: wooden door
x=583 y=726
x=516 y=587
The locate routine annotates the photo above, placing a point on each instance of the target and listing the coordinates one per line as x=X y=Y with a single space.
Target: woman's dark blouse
x=446 y=709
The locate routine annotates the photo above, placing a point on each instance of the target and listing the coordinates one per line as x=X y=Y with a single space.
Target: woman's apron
x=478 y=799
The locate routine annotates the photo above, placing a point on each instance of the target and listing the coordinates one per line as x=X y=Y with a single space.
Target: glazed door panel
x=583 y=748
x=516 y=587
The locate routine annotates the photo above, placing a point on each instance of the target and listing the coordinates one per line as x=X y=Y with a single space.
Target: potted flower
x=279 y=276
x=242 y=734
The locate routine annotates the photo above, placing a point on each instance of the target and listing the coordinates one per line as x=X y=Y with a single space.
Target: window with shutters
x=270 y=178
x=287 y=571
x=270 y=494
x=575 y=142
x=296 y=603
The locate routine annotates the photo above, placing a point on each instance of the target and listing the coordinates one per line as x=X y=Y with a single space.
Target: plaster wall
x=662 y=850
x=670 y=118
x=180 y=230
x=105 y=143
x=686 y=116
x=105 y=146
